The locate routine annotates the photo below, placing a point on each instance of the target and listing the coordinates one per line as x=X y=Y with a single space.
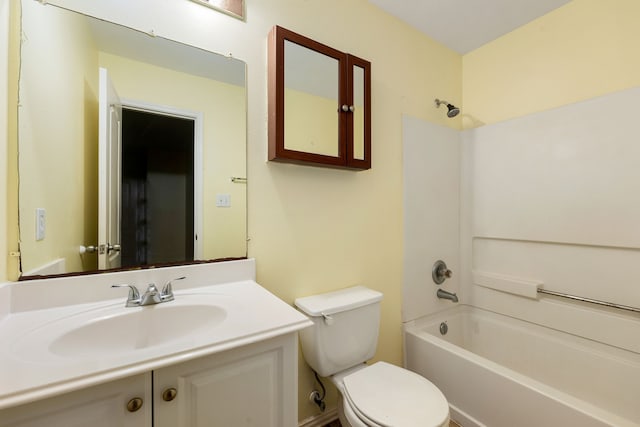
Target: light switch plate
x=41 y=223
x=223 y=200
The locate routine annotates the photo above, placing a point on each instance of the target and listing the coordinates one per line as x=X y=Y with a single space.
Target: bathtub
x=497 y=371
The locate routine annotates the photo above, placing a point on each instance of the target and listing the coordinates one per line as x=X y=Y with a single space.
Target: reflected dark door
x=157 y=188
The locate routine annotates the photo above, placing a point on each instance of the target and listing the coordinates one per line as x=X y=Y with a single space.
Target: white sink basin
x=111 y=330
x=137 y=328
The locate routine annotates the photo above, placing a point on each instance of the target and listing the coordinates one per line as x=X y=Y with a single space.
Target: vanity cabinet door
x=105 y=405
x=255 y=385
x=319 y=103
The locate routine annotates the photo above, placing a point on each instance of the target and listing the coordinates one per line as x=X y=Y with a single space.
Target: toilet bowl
x=343 y=337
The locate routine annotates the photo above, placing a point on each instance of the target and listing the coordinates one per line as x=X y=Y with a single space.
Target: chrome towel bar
x=589 y=300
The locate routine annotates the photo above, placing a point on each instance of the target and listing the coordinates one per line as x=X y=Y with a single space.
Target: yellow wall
x=585 y=49
x=223 y=108
x=57 y=126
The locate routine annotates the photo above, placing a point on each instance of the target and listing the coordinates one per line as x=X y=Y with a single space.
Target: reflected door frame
x=197 y=117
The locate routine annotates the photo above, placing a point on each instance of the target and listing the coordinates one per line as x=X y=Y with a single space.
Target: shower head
x=452 y=110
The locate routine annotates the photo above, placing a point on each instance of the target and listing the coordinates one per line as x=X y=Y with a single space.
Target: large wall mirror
x=129 y=144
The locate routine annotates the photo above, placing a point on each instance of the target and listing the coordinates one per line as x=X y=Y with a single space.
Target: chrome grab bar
x=589 y=300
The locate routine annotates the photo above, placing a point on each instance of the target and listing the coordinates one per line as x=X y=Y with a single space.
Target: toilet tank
x=345 y=328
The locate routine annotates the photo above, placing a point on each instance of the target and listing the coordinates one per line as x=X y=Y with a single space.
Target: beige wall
x=584 y=49
x=224 y=133
x=313 y=229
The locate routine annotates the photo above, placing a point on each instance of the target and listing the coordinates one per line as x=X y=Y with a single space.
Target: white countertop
x=29 y=370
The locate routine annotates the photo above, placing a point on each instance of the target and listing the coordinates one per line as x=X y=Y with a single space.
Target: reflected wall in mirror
x=170 y=180
x=319 y=103
x=311 y=95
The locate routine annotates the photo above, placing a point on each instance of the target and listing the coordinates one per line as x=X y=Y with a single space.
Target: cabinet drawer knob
x=169 y=394
x=134 y=404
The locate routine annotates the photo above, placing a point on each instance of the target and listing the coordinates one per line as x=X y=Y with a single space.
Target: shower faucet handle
x=440 y=272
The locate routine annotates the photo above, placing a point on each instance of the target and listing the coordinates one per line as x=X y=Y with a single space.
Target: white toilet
x=343 y=337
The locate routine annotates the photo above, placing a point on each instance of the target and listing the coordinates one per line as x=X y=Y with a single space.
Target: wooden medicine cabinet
x=319 y=103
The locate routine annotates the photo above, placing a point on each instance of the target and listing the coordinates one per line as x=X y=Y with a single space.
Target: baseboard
x=321 y=419
x=57 y=266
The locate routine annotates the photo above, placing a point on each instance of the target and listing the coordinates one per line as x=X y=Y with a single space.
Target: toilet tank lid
x=338 y=301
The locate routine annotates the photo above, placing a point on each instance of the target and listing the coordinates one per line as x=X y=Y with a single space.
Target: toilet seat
x=384 y=395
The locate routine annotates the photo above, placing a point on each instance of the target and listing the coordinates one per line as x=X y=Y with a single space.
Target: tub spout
x=442 y=294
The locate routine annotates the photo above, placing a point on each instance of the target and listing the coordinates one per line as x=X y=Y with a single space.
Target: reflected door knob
x=108 y=248
x=88 y=249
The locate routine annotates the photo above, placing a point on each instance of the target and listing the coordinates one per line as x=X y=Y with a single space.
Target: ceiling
x=464 y=25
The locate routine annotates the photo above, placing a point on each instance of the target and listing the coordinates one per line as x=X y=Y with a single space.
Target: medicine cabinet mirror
x=182 y=153
x=319 y=103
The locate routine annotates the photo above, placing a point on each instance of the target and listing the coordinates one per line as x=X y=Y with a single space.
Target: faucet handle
x=134 y=294
x=167 y=290
x=440 y=272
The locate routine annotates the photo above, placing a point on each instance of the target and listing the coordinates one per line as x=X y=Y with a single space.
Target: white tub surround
x=545 y=202
x=49 y=336
x=431 y=184
x=498 y=371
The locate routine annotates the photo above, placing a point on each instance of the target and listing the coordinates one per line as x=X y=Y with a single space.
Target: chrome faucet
x=151 y=296
x=442 y=294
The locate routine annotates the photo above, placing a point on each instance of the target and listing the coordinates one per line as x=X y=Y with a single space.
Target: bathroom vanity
x=223 y=352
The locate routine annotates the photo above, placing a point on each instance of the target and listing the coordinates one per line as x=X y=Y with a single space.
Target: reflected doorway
x=158 y=192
